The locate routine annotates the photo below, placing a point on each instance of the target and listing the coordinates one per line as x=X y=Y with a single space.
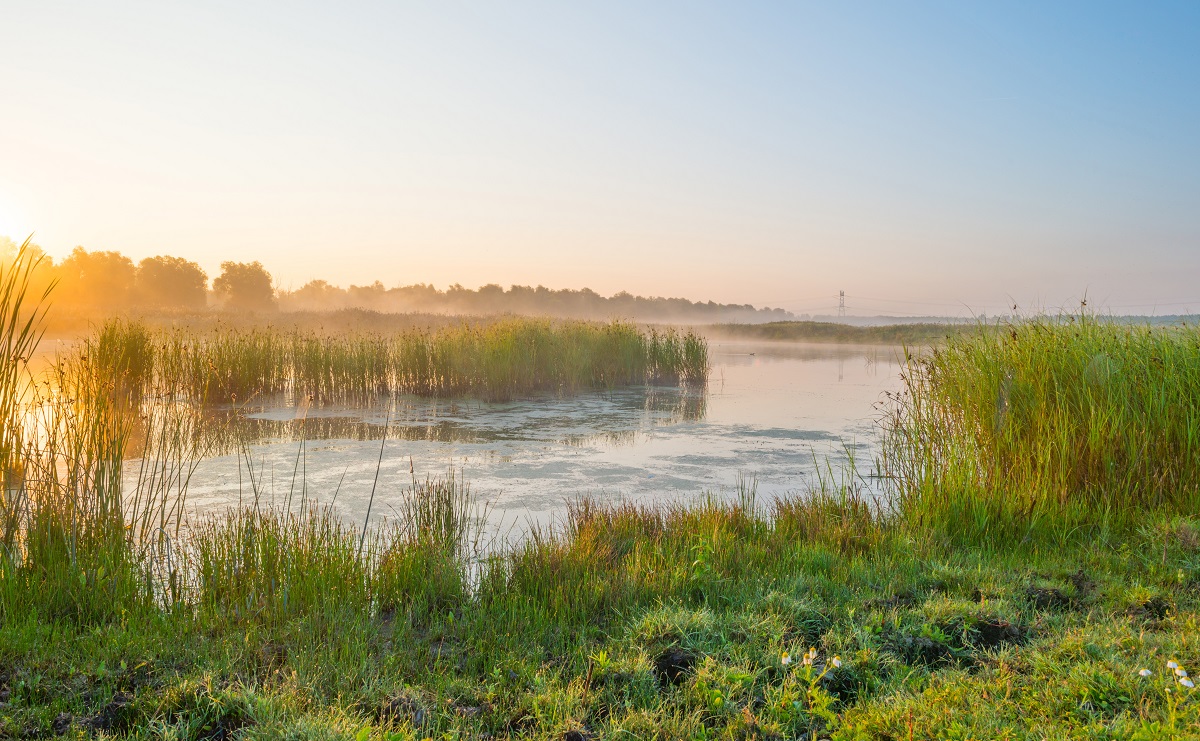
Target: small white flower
x=836 y=661
x=1145 y=673
x=1172 y=665
x=1187 y=683
x=1181 y=673
x=785 y=659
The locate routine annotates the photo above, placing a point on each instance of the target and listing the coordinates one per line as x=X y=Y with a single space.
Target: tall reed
x=495 y=361
x=80 y=541
x=265 y=565
x=21 y=317
x=426 y=554
x=1049 y=421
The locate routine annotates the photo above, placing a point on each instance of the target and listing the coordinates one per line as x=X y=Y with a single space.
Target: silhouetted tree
x=171 y=282
x=98 y=279
x=367 y=296
x=245 y=285
x=318 y=295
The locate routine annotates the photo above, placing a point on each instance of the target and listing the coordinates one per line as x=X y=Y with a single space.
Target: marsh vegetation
x=1039 y=549
x=498 y=360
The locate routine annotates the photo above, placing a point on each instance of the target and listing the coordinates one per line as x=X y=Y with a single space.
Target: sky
x=926 y=158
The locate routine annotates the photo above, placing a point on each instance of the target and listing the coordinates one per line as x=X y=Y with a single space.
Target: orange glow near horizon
x=10 y=221
x=925 y=159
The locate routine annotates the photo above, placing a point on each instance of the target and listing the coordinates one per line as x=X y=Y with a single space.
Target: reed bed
x=497 y=361
x=1062 y=422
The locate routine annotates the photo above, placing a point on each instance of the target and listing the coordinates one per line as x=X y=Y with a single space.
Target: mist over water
x=772 y=413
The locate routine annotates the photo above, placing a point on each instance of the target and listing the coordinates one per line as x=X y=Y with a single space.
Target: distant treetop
x=245 y=285
x=584 y=303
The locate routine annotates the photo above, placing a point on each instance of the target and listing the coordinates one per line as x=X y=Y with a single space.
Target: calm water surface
x=772 y=413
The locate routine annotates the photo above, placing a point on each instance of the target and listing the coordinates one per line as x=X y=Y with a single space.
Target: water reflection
x=772 y=412
x=608 y=418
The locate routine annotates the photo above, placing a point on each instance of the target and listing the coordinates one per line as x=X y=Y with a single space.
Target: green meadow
x=1032 y=572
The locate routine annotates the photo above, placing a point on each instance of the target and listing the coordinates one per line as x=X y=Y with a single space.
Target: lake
x=772 y=413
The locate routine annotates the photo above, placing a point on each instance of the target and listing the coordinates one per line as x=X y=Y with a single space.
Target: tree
x=315 y=295
x=97 y=279
x=166 y=281
x=245 y=285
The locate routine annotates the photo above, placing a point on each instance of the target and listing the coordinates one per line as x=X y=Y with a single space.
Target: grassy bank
x=498 y=360
x=892 y=334
x=993 y=597
x=630 y=623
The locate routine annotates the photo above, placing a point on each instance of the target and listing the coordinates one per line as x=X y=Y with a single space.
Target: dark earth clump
x=1047 y=598
x=401 y=710
x=672 y=665
x=1155 y=608
x=225 y=727
x=61 y=724
x=1084 y=584
x=996 y=632
x=842 y=684
x=116 y=716
x=920 y=650
x=521 y=723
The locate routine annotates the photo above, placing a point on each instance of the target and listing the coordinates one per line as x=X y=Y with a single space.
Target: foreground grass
x=642 y=624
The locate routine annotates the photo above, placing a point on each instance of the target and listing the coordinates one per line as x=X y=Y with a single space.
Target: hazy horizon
x=930 y=159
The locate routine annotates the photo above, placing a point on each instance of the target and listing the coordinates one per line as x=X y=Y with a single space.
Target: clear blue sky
x=923 y=157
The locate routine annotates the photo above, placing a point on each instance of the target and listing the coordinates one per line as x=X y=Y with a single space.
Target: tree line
x=585 y=303
x=110 y=281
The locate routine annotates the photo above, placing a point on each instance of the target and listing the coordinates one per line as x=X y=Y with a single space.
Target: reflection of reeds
x=688 y=405
x=225 y=429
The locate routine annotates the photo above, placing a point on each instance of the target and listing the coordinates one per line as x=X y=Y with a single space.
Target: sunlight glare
x=10 y=221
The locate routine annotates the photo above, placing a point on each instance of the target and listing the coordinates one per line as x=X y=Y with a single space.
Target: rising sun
x=10 y=223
